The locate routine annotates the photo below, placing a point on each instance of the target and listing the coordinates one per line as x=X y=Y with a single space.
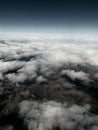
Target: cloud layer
x=20 y=60
x=55 y=78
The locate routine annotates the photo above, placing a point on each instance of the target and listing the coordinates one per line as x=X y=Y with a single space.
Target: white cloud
x=45 y=53
x=41 y=79
x=10 y=65
x=76 y=75
x=47 y=115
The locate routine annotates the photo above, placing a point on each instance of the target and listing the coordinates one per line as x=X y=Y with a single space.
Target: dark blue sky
x=40 y=14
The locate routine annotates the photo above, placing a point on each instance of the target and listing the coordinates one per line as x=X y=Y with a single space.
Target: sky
x=62 y=15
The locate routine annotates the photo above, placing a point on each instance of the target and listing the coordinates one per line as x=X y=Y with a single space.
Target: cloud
x=49 y=115
x=41 y=79
x=1 y=76
x=30 y=57
x=76 y=75
x=38 y=68
x=96 y=75
x=8 y=67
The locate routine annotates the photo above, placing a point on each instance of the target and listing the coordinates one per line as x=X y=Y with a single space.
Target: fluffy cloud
x=76 y=75
x=51 y=115
x=28 y=55
x=41 y=79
